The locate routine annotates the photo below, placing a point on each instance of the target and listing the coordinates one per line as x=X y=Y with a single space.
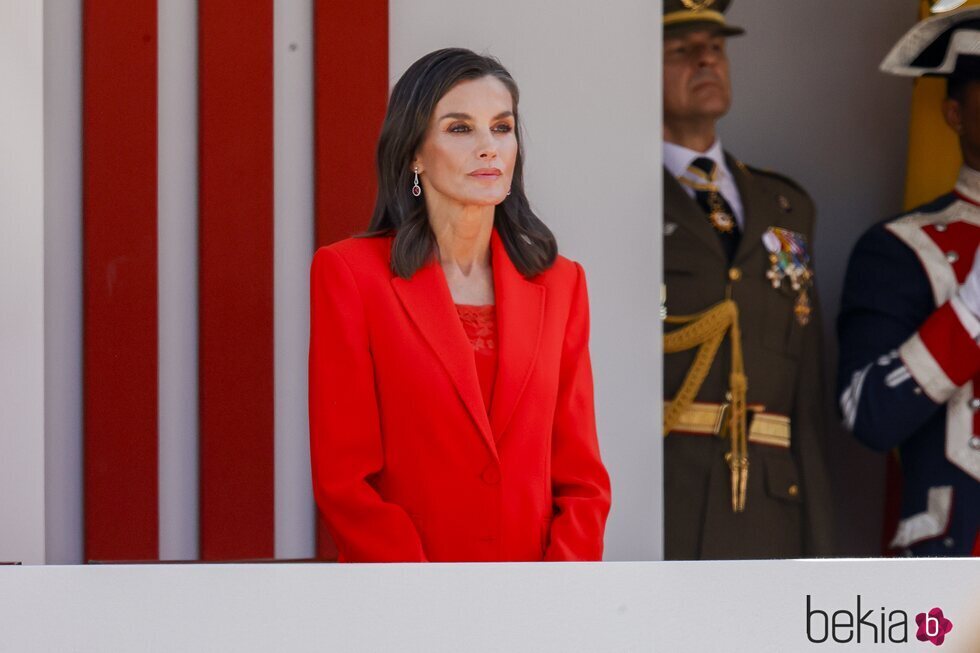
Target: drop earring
x=416 y=189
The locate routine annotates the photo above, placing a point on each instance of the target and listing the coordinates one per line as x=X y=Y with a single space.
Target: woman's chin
x=493 y=199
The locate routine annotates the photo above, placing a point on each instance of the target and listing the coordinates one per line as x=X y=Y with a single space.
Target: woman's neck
x=463 y=237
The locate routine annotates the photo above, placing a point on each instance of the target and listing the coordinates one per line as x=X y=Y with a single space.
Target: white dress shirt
x=678 y=159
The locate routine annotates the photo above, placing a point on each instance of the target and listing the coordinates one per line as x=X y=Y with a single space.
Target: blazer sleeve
x=345 y=435
x=580 y=484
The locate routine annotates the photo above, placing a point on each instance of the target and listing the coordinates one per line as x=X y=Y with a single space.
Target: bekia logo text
x=873 y=625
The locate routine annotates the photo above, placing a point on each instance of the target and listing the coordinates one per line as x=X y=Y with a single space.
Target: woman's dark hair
x=529 y=243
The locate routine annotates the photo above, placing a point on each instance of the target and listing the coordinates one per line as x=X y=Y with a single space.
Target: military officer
x=744 y=411
x=909 y=373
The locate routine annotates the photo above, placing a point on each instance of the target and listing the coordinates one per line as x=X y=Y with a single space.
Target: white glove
x=968 y=295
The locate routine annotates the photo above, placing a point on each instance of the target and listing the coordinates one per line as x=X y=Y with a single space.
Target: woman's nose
x=488 y=148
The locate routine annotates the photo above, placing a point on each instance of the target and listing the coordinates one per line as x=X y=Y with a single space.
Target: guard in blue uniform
x=909 y=326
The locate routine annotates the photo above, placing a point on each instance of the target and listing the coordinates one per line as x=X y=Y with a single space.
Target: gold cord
x=706 y=331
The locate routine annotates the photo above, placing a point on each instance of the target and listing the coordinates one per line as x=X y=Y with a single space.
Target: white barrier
x=607 y=607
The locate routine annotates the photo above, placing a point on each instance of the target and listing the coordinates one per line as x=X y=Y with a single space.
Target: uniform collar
x=677 y=158
x=968 y=184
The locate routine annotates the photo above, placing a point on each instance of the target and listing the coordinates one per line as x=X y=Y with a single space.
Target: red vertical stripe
x=350 y=95
x=236 y=279
x=120 y=279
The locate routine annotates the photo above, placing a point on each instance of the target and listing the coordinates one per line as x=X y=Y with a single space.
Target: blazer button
x=490 y=475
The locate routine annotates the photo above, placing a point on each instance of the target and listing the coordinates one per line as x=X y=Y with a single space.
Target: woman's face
x=468 y=154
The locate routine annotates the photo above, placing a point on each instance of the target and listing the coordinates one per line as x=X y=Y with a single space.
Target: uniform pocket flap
x=782 y=479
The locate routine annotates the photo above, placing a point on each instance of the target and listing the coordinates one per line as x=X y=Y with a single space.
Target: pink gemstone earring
x=416 y=189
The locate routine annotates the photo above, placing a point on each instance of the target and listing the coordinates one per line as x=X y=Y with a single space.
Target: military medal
x=802 y=308
x=789 y=260
x=721 y=220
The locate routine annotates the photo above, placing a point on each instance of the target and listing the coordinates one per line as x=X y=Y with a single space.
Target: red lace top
x=480 y=324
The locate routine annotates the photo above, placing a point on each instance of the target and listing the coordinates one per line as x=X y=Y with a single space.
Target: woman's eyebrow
x=466 y=116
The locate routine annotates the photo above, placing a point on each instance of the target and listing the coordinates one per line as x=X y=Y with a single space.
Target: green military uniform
x=787 y=503
x=780 y=508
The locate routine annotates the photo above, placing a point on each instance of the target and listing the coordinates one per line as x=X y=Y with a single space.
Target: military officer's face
x=696 y=81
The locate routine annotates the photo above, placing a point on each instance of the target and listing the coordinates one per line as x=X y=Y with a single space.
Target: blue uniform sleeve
x=886 y=298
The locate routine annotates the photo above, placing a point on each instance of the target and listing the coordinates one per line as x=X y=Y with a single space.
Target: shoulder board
x=761 y=172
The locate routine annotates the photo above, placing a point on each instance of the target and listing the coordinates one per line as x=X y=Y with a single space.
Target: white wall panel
x=674 y=607
x=22 y=281
x=293 y=109
x=63 y=280
x=177 y=256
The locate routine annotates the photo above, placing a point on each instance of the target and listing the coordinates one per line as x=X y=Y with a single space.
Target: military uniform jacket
x=787 y=510
x=909 y=374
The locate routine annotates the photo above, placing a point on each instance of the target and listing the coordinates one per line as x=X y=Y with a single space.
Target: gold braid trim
x=702 y=15
x=706 y=331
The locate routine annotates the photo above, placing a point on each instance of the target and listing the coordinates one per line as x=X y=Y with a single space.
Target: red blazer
x=407 y=465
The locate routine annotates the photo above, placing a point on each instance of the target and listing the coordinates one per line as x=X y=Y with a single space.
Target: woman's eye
x=503 y=128
x=459 y=128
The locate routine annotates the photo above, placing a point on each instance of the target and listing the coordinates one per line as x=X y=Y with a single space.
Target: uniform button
x=949 y=543
x=490 y=475
x=793 y=490
x=975 y=404
x=952 y=257
x=734 y=274
x=940 y=227
x=917 y=390
x=975 y=443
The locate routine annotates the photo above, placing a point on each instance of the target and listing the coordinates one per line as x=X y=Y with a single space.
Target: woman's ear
x=953 y=114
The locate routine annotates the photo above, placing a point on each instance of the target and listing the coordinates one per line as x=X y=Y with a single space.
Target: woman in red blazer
x=451 y=409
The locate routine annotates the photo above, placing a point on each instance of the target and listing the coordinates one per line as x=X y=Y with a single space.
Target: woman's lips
x=486 y=173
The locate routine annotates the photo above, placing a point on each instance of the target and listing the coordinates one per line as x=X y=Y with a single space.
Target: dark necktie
x=702 y=177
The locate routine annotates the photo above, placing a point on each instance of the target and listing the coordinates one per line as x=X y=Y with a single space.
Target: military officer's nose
x=708 y=56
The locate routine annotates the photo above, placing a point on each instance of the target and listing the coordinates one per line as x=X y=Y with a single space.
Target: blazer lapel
x=752 y=202
x=679 y=206
x=520 y=318
x=429 y=303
